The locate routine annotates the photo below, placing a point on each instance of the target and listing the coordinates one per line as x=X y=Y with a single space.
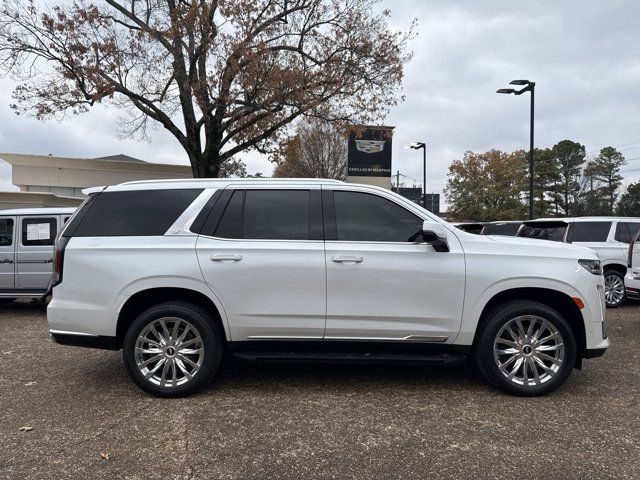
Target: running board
x=23 y=294
x=351 y=357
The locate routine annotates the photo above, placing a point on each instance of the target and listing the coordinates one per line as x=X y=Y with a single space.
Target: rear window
x=545 y=231
x=509 y=229
x=134 y=213
x=589 y=232
x=627 y=232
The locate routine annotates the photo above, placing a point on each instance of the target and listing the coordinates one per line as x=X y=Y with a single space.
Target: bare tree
x=222 y=76
x=318 y=150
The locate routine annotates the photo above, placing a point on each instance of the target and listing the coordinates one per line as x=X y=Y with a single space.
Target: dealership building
x=48 y=181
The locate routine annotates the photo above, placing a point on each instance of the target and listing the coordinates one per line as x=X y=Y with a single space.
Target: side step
x=350 y=357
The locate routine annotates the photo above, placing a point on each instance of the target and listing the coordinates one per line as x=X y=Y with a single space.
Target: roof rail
x=234 y=180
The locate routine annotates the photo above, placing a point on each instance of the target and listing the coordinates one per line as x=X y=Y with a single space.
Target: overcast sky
x=583 y=55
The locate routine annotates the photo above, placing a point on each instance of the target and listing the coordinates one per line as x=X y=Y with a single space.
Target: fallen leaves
x=26 y=428
x=28 y=384
x=8 y=353
x=105 y=456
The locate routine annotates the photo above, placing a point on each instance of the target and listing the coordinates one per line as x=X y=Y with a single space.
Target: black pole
x=533 y=89
x=424 y=175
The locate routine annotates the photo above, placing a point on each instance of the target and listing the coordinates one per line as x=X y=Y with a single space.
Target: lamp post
x=528 y=87
x=423 y=146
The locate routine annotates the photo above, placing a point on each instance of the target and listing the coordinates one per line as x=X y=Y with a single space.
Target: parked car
x=27 y=236
x=508 y=228
x=632 y=278
x=608 y=236
x=176 y=273
x=470 y=227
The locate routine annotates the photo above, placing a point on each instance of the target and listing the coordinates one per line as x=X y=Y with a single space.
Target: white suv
x=176 y=273
x=609 y=237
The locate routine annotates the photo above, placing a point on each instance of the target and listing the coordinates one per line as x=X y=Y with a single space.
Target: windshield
x=544 y=231
x=509 y=229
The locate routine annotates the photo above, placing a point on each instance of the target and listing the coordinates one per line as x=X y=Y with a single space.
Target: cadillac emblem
x=370 y=146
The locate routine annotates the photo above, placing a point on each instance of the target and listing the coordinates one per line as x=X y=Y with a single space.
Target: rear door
x=597 y=235
x=34 y=252
x=7 y=252
x=261 y=252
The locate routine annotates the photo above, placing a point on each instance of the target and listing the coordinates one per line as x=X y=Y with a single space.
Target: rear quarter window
x=133 y=213
x=589 y=232
x=553 y=232
x=627 y=232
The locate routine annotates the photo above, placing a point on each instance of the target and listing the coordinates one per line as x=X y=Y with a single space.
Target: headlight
x=593 y=266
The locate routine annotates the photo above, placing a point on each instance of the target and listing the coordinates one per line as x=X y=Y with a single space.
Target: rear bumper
x=89 y=341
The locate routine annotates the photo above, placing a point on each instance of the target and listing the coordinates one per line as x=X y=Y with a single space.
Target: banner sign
x=369 y=152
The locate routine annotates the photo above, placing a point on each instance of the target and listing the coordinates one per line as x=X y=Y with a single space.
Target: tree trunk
x=205 y=166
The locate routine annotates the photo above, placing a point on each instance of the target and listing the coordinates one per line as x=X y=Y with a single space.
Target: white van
x=608 y=236
x=27 y=236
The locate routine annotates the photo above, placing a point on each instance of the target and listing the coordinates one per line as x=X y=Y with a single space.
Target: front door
x=7 y=252
x=382 y=283
x=264 y=260
x=34 y=252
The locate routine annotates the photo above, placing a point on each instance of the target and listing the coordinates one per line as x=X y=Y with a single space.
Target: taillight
x=58 y=259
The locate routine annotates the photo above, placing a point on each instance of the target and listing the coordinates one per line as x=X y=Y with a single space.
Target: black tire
x=212 y=339
x=616 y=276
x=500 y=316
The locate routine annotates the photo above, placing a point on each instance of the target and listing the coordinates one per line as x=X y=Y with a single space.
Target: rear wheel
x=525 y=348
x=614 y=288
x=172 y=349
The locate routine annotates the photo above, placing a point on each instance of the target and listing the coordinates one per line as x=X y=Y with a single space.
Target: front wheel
x=172 y=349
x=525 y=348
x=614 y=288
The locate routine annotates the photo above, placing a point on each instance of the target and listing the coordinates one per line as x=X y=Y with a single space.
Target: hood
x=553 y=248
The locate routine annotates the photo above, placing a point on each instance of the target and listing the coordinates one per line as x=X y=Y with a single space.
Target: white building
x=47 y=181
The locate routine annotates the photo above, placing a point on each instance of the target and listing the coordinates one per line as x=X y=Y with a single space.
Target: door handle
x=347 y=259
x=226 y=258
x=7 y=260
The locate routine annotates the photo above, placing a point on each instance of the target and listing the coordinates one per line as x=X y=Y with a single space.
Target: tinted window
x=589 y=231
x=369 y=218
x=266 y=214
x=509 y=229
x=39 y=231
x=6 y=232
x=627 y=231
x=136 y=213
x=554 y=232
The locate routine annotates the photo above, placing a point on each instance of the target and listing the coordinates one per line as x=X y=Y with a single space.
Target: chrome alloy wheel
x=528 y=350
x=613 y=289
x=169 y=352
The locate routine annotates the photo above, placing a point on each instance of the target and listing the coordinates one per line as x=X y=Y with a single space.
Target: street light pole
x=423 y=146
x=528 y=87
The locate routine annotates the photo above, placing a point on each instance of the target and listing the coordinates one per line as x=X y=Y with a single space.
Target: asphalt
x=302 y=421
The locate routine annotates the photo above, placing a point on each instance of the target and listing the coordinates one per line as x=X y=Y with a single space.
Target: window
x=544 y=230
x=589 y=232
x=6 y=232
x=369 y=218
x=627 y=232
x=267 y=214
x=39 y=231
x=508 y=229
x=133 y=213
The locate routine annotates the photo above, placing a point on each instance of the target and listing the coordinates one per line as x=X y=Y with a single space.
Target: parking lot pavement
x=301 y=421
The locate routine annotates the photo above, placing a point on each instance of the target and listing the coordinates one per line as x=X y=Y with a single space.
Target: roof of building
x=121 y=157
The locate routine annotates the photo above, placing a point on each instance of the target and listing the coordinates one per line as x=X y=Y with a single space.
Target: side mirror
x=434 y=234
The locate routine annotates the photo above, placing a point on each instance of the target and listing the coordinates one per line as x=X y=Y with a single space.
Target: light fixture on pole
x=423 y=146
x=528 y=87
